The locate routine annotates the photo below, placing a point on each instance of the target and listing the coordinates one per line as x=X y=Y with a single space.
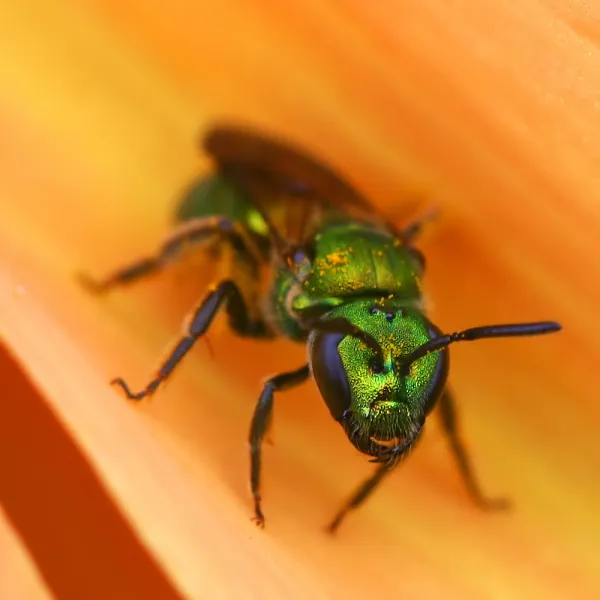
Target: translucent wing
x=291 y=188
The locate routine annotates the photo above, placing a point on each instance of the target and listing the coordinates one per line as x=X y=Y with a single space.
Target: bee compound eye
x=329 y=372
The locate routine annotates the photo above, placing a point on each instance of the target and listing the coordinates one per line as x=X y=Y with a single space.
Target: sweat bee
x=341 y=278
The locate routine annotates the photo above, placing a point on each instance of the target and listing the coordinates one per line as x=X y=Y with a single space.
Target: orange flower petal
x=19 y=577
x=489 y=111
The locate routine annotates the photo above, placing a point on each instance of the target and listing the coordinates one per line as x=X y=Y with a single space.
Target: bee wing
x=290 y=187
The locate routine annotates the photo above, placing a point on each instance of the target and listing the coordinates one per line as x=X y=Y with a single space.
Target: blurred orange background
x=489 y=111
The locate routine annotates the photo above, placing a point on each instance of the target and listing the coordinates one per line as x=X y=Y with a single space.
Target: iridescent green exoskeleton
x=324 y=268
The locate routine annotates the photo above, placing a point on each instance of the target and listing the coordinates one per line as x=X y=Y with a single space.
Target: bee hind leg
x=414 y=228
x=194 y=232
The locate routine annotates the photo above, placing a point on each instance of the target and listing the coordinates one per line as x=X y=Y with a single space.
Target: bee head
x=357 y=354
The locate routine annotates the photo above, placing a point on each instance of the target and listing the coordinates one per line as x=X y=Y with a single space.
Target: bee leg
x=226 y=293
x=260 y=425
x=411 y=231
x=388 y=458
x=363 y=492
x=196 y=231
x=447 y=411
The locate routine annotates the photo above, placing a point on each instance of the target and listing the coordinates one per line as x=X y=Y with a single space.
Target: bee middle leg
x=448 y=416
x=225 y=294
x=196 y=231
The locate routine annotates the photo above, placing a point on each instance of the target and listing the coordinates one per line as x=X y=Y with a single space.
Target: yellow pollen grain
x=337 y=258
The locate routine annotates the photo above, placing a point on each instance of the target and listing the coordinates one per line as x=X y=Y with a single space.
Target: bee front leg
x=361 y=494
x=260 y=424
x=387 y=460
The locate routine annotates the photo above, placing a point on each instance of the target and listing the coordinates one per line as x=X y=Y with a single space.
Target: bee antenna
x=477 y=333
x=341 y=325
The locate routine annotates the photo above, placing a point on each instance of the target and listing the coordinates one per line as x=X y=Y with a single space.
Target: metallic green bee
x=321 y=266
